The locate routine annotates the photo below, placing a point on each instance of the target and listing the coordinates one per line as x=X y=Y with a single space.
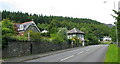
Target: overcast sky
x=93 y=9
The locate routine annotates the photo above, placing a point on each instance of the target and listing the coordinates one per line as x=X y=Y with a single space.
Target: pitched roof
x=25 y=25
x=75 y=31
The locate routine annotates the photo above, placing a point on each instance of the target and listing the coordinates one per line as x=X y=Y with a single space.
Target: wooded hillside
x=93 y=29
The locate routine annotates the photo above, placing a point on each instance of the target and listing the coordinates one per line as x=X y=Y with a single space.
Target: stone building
x=26 y=26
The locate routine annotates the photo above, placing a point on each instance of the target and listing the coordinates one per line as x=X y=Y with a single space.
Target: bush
x=5 y=39
x=76 y=41
x=45 y=34
x=46 y=39
x=60 y=36
x=11 y=37
x=86 y=42
x=34 y=36
x=7 y=27
x=19 y=38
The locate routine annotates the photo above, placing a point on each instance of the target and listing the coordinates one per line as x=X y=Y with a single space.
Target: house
x=26 y=26
x=44 y=31
x=106 y=38
x=75 y=32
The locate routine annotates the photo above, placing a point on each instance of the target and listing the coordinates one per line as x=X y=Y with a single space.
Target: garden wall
x=15 y=49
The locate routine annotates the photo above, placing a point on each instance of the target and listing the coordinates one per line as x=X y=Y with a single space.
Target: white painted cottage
x=75 y=32
x=44 y=31
x=106 y=38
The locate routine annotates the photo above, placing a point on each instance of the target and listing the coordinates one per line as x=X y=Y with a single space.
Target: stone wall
x=15 y=49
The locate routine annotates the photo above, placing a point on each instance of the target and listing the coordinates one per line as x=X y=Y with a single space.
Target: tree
x=7 y=31
x=53 y=23
x=118 y=24
x=60 y=36
x=42 y=26
x=7 y=27
x=34 y=36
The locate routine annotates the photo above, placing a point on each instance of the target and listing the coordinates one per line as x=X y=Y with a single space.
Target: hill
x=110 y=25
x=39 y=18
x=94 y=30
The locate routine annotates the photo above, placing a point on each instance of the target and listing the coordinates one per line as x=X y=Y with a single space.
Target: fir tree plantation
x=93 y=29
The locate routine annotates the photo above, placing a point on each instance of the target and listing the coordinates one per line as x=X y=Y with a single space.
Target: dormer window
x=21 y=27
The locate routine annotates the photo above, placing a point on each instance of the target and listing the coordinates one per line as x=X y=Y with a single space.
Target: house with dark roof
x=26 y=26
x=75 y=32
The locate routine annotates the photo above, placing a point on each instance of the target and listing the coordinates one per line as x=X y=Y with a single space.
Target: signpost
x=28 y=36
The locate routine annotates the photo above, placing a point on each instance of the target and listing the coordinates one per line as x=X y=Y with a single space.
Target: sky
x=99 y=10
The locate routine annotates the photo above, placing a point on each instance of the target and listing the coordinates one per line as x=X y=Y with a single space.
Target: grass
x=112 y=53
x=107 y=42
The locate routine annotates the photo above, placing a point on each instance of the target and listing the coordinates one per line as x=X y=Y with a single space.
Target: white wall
x=80 y=36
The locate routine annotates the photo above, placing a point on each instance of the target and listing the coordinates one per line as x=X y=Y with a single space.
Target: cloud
x=94 y=9
x=6 y=6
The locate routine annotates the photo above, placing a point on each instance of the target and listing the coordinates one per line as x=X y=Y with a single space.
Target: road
x=94 y=53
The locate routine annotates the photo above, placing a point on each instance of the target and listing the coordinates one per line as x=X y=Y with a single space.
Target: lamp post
x=116 y=24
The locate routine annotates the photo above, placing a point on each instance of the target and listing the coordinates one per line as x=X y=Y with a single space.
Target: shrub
x=19 y=38
x=7 y=27
x=45 y=34
x=34 y=36
x=76 y=41
x=5 y=39
x=60 y=36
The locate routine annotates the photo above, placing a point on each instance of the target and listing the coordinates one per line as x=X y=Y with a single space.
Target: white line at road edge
x=80 y=52
x=66 y=58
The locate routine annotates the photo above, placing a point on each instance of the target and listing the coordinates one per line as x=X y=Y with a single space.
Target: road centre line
x=80 y=52
x=67 y=58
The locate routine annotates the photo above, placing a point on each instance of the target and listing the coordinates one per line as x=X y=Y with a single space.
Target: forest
x=57 y=26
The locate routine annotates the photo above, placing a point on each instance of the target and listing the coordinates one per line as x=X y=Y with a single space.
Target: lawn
x=112 y=53
x=107 y=42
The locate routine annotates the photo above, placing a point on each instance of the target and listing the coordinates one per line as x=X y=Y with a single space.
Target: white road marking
x=75 y=50
x=80 y=52
x=66 y=58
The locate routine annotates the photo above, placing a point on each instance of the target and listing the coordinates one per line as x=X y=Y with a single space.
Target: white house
x=75 y=32
x=44 y=31
x=106 y=38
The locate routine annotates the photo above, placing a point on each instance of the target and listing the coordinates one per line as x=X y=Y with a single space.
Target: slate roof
x=75 y=31
x=25 y=25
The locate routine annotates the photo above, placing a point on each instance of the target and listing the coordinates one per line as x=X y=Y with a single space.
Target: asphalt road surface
x=94 y=53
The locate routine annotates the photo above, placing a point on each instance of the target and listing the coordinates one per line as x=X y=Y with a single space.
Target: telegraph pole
x=115 y=21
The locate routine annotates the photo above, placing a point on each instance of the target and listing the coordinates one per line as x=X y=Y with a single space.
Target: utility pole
x=116 y=27
x=116 y=22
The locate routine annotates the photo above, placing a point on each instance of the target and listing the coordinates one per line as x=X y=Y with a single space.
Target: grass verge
x=112 y=53
x=107 y=42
